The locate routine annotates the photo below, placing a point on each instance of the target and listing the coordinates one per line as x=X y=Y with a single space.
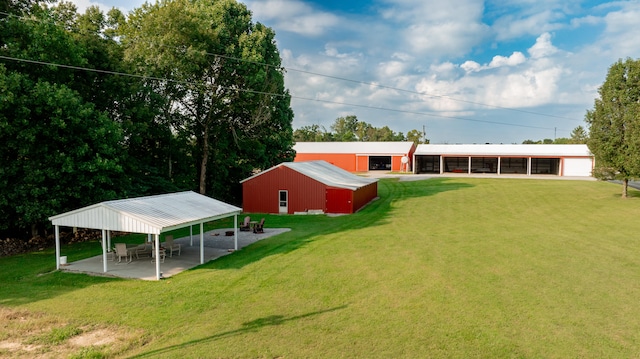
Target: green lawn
x=443 y=268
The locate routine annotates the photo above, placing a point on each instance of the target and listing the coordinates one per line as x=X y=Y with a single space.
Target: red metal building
x=313 y=186
x=359 y=156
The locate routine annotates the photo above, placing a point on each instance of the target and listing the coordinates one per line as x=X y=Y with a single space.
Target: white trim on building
x=358 y=148
x=560 y=160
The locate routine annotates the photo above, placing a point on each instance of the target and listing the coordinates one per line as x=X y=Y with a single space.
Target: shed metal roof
x=325 y=173
x=373 y=148
x=151 y=215
x=573 y=150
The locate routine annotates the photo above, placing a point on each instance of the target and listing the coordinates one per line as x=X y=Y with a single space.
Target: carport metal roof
x=151 y=215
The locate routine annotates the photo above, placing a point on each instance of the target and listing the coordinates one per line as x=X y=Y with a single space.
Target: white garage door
x=580 y=167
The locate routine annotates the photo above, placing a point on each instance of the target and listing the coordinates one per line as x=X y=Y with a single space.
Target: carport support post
x=104 y=250
x=191 y=234
x=201 y=243
x=57 y=230
x=235 y=231
x=156 y=239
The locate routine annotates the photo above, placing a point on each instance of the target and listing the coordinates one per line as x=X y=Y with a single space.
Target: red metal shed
x=359 y=156
x=292 y=187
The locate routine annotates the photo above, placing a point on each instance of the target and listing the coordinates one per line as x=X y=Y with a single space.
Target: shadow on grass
x=305 y=229
x=247 y=327
x=32 y=277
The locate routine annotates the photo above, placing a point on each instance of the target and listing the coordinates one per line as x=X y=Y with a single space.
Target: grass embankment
x=446 y=268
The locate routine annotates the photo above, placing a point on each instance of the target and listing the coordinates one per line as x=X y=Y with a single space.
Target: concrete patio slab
x=216 y=245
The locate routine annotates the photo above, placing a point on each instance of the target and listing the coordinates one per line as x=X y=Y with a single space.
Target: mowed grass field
x=438 y=268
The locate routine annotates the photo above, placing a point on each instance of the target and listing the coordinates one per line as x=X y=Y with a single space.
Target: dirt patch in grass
x=98 y=337
x=35 y=335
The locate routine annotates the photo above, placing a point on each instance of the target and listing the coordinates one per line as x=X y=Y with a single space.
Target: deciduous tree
x=222 y=77
x=417 y=137
x=345 y=128
x=58 y=152
x=614 y=124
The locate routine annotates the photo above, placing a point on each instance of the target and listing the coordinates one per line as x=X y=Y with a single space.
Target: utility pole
x=424 y=134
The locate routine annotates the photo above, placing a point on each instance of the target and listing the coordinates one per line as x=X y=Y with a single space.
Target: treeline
x=349 y=129
x=578 y=136
x=178 y=95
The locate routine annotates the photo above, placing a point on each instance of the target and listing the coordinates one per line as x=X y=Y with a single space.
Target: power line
x=144 y=77
x=152 y=78
x=367 y=83
x=373 y=84
x=424 y=113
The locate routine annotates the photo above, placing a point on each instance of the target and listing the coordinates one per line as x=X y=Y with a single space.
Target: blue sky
x=468 y=71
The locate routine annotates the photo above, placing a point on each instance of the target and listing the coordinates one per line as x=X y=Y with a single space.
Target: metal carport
x=150 y=215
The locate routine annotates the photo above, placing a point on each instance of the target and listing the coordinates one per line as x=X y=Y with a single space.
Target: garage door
x=579 y=167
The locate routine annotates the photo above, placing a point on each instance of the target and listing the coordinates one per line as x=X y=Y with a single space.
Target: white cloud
x=515 y=26
x=618 y=24
x=437 y=29
x=471 y=66
x=402 y=56
x=391 y=69
x=515 y=59
x=443 y=39
x=542 y=47
x=587 y=20
x=294 y=16
x=511 y=82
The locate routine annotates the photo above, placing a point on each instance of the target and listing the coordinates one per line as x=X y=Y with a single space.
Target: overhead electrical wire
x=372 y=84
x=152 y=78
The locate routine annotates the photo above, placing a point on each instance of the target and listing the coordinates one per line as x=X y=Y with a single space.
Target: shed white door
x=283 y=202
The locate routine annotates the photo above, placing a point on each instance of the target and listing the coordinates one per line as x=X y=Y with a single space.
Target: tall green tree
x=222 y=79
x=417 y=137
x=20 y=6
x=614 y=124
x=58 y=153
x=153 y=161
x=312 y=133
x=579 y=135
x=345 y=128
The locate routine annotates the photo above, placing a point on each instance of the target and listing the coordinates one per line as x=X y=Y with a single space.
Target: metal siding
x=363 y=163
x=364 y=195
x=260 y=194
x=346 y=161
